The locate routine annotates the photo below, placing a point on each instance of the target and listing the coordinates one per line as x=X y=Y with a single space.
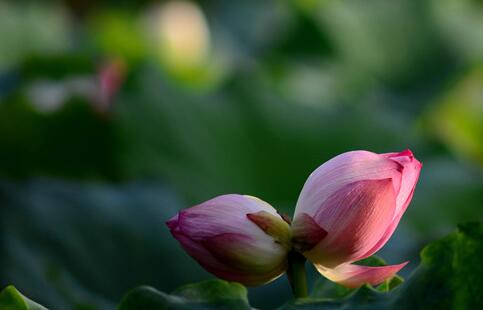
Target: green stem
x=297 y=275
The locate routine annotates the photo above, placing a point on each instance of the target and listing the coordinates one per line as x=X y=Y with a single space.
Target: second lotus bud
x=237 y=238
x=349 y=208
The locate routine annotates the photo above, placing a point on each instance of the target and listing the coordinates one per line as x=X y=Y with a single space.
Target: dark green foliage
x=295 y=83
x=71 y=244
x=446 y=279
x=449 y=277
x=73 y=142
x=12 y=299
x=123 y=246
x=211 y=294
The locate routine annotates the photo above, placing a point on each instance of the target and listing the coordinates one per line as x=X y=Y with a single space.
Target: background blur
x=116 y=114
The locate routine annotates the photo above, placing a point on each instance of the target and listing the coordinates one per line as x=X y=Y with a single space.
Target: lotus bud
x=235 y=237
x=348 y=209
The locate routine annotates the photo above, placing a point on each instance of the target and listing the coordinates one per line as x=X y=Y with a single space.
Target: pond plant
x=348 y=209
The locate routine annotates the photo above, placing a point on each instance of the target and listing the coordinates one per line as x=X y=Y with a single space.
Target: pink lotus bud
x=111 y=76
x=348 y=209
x=237 y=238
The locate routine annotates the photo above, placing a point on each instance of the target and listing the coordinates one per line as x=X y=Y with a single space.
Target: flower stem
x=297 y=275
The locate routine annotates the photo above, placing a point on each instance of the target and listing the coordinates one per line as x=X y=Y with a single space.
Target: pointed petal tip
x=172 y=223
x=272 y=225
x=353 y=276
x=410 y=154
x=355 y=217
x=406 y=152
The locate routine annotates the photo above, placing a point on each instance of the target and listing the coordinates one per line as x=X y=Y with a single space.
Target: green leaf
x=213 y=290
x=12 y=299
x=390 y=284
x=372 y=261
x=211 y=294
x=450 y=277
x=365 y=297
x=83 y=246
x=55 y=258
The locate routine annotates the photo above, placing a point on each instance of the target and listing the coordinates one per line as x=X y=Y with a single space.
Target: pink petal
x=410 y=176
x=306 y=233
x=222 y=239
x=355 y=217
x=243 y=253
x=354 y=276
x=197 y=251
x=341 y=170
x=224 y=256
x=274 y=226
x=111 y=76
x=223 y=214
x=173 y=223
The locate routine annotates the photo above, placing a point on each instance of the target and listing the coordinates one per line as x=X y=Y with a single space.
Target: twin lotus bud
x=237 y=238
x=347 y=210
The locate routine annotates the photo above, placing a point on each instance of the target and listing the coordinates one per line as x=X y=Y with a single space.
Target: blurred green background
x=116 y=114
